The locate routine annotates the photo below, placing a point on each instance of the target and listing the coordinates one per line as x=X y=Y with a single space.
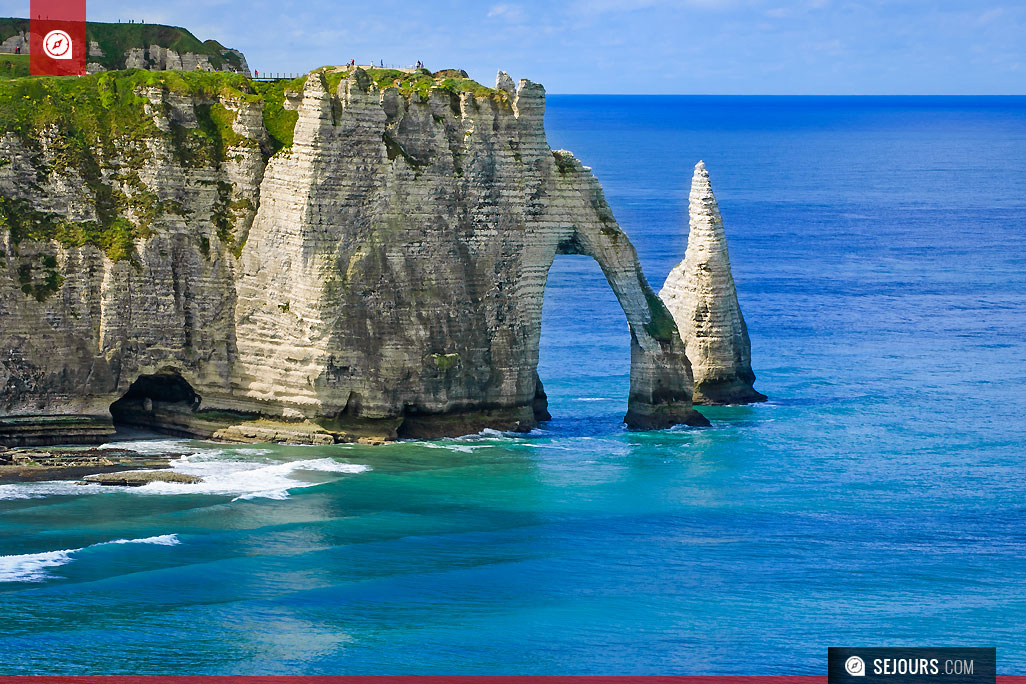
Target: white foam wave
x=246 y=480
x=223 y=470
x=160 y=540
x=155 y=446
x=38 y=490
x=33 y=567
x=449 y=446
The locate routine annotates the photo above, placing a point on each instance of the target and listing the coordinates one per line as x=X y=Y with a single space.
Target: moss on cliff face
x=39 y=279
x=116 y=238
x=661 y=325
x=98 y=128
x=279 y=122
x=107 y=110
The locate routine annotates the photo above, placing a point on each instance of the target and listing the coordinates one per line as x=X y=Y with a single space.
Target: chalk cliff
x=356 y=255
x=700 y=294
x=136 y=46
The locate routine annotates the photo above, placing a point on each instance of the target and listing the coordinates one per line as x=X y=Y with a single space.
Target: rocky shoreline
x=38 y=465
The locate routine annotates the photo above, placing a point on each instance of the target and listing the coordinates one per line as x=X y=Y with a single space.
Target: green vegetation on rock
x=661 y=325
x=12 y=26
x=419 y=81
x=445 y=362
x=25 y=223
x=117 y=39
x=565 y=162
x=279 y=122
x=97 y=126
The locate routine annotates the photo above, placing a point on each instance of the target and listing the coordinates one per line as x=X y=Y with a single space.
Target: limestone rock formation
x=700 y=294
x=373 y=269
x=140 y=478
x=125 y=51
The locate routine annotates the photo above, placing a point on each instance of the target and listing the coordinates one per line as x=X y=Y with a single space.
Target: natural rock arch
x=410 y=265
x=384 y=275
x=583 y=224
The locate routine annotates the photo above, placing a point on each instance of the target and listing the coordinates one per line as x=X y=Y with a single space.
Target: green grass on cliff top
x=117 y=39
x=13 y=66
x=420 y=81
x=101 y=108
x=90 y=121
x=87 y=122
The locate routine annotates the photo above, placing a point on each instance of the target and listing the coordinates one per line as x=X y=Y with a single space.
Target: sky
x=629 y=46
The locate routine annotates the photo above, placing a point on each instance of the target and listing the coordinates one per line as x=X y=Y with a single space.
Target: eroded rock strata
x=701 y=296
x=350 y=257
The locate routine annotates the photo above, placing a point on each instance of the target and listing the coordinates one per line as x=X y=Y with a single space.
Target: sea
x=877 y=499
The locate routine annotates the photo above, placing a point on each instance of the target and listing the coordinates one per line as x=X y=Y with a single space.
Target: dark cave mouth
x=152 y=402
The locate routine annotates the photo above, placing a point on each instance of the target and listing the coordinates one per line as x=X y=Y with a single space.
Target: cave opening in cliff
x=160 y=402
x=584 y=351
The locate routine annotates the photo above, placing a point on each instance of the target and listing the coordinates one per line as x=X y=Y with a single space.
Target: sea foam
x=240 y=472
x=33 y=567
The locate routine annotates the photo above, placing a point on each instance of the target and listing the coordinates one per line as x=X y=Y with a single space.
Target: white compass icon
x=57 y=45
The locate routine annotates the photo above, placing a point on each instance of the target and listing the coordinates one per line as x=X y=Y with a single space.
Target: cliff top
x=13 y=66
x=102 y=107
x=416 y=80
x=78 y=122
x=117 y=39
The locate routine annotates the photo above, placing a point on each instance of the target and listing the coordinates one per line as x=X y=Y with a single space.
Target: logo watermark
x=57 y=37
x=855 y=666
x=912 y=665
x=57 y=44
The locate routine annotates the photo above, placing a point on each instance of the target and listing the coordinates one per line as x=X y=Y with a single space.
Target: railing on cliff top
x=277 y=76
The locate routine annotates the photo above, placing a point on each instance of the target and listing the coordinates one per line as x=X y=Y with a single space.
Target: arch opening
x=160 y=402
x=584 y=350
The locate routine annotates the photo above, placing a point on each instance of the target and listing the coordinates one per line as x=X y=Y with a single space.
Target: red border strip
x=428 y=680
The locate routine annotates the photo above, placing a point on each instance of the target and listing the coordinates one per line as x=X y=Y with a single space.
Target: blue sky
x=632 y=46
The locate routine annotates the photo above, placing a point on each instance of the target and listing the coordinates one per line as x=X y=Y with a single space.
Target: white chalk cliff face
x=383 y=278
x=700 y=294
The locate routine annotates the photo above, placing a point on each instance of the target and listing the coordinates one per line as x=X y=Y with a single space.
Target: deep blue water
x=879 y=498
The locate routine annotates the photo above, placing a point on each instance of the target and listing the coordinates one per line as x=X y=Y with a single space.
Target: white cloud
x=506 y=11
x=990 y=15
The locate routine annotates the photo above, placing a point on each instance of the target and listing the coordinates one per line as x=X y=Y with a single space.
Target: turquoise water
x=879 y=498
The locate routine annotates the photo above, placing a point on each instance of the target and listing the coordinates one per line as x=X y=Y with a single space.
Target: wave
x=486 y=438
x=33 y=567
x=245 y=480
x=156 y=446
x=225 y=472
x=160 y=540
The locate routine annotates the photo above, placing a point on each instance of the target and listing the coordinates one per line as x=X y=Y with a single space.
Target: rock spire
x=700 y=294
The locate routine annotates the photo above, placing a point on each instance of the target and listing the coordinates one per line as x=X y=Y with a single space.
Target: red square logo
x=57 y=38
